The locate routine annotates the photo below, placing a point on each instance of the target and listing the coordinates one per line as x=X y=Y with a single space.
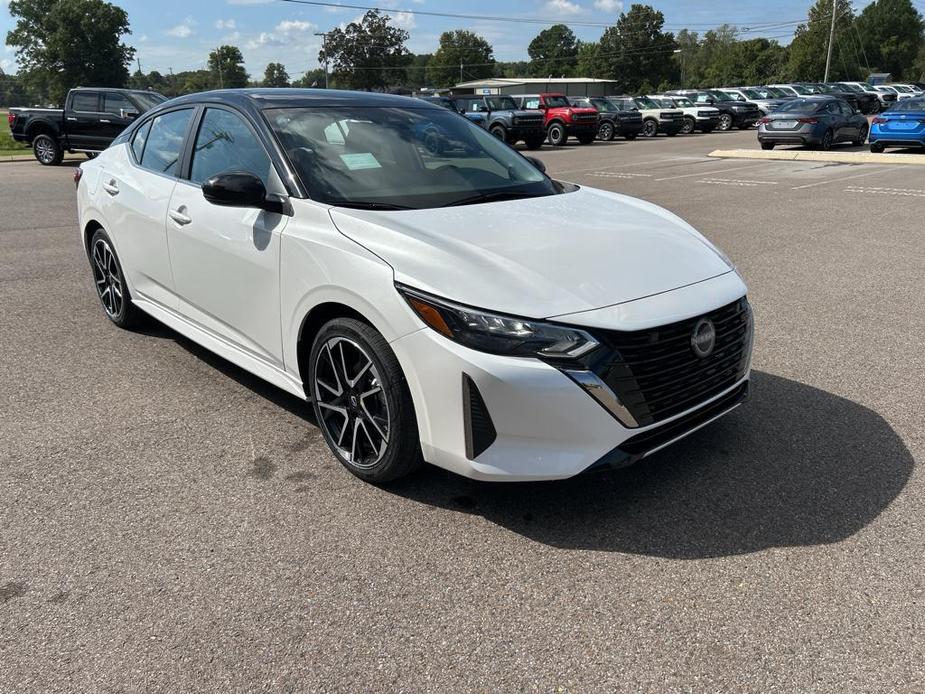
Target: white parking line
x=908 y=192
x=838 y=180
x=632 y=165
x=736 y=182
x=710 y=173
x=618 y=174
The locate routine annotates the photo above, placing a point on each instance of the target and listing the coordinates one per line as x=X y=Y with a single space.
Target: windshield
x=721 y=96
x=149 y=99
x=646 y=102
x=623 y=104
x=887 y=90
x=401 y=158
x=915 y=104
x=752 y=94
x=682 y=101
x=501 y=103
x=603 y=105
x=773 y=92
x=800 y=89
x=854 y=89
x=900 y=88
x=797 y=106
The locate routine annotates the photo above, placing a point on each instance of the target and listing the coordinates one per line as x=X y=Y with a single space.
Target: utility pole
x=138 y=61
x=324 y=47
x=460 y=71
x=828 y=57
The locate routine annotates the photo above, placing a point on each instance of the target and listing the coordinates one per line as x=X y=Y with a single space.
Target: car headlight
x=496 y=333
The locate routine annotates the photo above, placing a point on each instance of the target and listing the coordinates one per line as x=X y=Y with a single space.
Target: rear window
x=165 y=142
x=138 y=143
x=910 y=105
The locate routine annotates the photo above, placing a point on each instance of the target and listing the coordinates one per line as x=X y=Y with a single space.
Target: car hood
x=538 y=257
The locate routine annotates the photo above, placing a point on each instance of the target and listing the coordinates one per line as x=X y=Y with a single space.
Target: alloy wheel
x=354 y=410
x=688 y=126
x=44 y=150
x=108 y=278
x=725 y=121
x=606 y=131
x=649 y=129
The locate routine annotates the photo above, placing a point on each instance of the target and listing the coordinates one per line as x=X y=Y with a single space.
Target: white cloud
x=403 y=20
x=225 y=24
x=563 y=7
x=183 y=30
x=265 y=38
x=290 y=25
x=142 y=38
x=608 y=5
x=232 y=37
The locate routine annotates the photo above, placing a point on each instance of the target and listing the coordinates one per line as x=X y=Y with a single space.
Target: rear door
x=136 y=189
x=116 y=115
x=225 y=260
x=82 y=120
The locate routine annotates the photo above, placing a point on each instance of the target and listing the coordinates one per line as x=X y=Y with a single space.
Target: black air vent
x=479 y=429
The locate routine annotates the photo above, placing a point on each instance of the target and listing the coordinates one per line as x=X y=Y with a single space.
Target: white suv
x=434 y=304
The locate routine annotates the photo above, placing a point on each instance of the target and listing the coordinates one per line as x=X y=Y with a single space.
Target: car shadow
x=794 y=466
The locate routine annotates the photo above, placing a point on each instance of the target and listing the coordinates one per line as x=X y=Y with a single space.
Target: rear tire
x=111 y=287
x=370 y=426
x=862 y=136
x=827 y=138
x=877 y=147
x=47 y=150
x=556 y=134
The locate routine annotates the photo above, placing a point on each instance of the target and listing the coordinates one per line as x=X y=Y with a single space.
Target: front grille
x=528 y=120
x=587 y=117
x=707 y=114
x=656 y=374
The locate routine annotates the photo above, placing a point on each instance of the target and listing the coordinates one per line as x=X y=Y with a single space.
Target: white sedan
x=433 y=303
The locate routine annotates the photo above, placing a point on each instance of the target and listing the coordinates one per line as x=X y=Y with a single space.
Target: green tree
x=227 y=67
x=891 y=36
x=313 y=79
x=461 y=56
x=589 y=63
x=811 y=40
x=417 y=74
x=636 y=50
x=63 y=43
x=513 y=68
x=553 y=52
x=275 y=75
x=369 y=54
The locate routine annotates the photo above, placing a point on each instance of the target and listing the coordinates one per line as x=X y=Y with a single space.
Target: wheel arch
x=40 y=127
x=312 y=323
x=90 y=228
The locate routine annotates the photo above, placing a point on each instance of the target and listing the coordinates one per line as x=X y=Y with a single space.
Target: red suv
x=563 y=119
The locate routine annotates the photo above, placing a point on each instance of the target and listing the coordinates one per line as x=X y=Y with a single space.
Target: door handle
x=71 y=118
x=105 y=120
x=111 y=187
x=178 y=216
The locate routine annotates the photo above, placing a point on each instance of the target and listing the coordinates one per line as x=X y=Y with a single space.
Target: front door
x=82 y=120
x=226 y=259
x=116 y=116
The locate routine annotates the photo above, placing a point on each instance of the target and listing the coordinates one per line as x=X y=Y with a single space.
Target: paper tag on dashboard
x=360 y=160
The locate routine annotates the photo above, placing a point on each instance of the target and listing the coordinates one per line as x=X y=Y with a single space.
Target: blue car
x=902 y=126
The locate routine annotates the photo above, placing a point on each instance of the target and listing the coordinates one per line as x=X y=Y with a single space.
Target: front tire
x=767 y=145
x=362 y=403
x=688 y=126
x=649 y=128
x=556 y=134
x=725 y=122
x=605 y=132
x=111 y=288
x=47 y=150
x=499 y=131
x=877 y=147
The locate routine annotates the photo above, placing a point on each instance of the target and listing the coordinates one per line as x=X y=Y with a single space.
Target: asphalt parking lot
x=170 y=523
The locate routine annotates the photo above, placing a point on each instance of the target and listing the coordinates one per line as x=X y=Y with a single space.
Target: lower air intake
x=479 y=429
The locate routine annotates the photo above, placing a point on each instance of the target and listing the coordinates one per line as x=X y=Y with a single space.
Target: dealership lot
x=170 y=523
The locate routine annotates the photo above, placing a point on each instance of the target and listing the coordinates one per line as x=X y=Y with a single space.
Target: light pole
x=678 y=50
x=324 y=47
x=828 y=57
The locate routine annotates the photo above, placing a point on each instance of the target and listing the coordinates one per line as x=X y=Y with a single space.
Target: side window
x=226 y=143
x=532 y=103
x=117 y=103
x=165 y=142
x=85 y=101
x=138 y=142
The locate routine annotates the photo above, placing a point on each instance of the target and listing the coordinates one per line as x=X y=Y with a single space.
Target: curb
x=12 y=158
x=834 y=157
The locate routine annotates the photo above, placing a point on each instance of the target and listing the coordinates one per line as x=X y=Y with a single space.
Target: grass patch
x=7 y=144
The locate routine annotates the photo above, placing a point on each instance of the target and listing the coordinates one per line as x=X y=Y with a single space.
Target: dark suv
x=732 y=113
x=616 y=118
x=504 y=120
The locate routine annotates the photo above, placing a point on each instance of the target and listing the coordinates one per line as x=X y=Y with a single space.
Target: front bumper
x=527 y=132
x=671 y=126
x=544 y=425
x=706 y=122
x=585 y=128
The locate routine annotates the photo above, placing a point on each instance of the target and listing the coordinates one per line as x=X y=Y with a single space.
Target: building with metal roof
x=570 y=86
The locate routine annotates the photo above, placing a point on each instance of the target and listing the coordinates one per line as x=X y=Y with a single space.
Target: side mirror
x=239 y=189
x=710 y=100
x=537 y=163
x=131 y=115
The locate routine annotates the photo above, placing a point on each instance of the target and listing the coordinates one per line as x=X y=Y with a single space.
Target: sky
x=179 y=34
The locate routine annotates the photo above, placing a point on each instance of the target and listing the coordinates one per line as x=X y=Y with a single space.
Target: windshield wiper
x=494 y=197
x=368 y=205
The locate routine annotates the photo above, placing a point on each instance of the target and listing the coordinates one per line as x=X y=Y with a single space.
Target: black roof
x=262 y=98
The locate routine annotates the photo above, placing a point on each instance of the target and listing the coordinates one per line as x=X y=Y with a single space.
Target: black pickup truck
x=90 y=120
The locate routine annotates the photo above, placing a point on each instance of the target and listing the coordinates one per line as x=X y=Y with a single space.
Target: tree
x=589 y=62
x=369 y=54
x=64 y=43
x=461 y=56
x=227 y=67
x=636 y=50
x=275 y=75
x=553 y=52
x=890 y=32
x=416 y=74
x=313 y=79
x=810 y=44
